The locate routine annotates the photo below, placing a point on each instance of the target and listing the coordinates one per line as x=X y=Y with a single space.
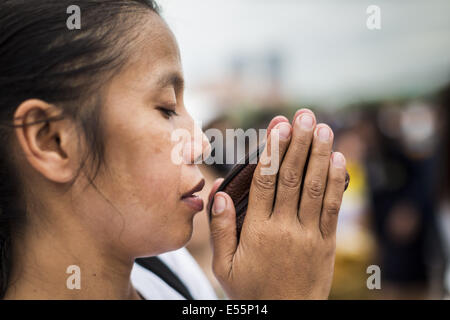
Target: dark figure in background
x=402 y=171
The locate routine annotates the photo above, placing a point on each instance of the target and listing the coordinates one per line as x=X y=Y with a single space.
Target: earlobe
x=43 y=135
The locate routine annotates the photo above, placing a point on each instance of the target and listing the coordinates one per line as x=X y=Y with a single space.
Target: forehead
x=157 y=38
x=155 y=57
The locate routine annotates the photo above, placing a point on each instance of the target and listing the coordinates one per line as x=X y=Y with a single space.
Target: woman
x=87 y=177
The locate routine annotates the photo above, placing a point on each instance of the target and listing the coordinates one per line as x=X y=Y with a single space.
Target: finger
x=274 y=122
x=291 y=171
x=333 y=195
x=316 y=176
x=223 y=234
x=262 y=188
x=300 y=112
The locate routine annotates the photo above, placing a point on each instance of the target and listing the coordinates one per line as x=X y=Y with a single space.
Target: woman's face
x=147 y=213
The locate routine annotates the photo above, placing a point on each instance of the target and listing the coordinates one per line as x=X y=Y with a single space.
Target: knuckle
x=264 y=181
x=311 y=237
x=332 y=207
x=285 y=236
x=310 y=243
x=338 y=179
x=256 y=231
x=321 y=153
x=216 y=230
x=290 y=177
x=315 y=187
x=281 y=235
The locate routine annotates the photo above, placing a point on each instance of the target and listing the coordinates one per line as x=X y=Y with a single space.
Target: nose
x=197 y=148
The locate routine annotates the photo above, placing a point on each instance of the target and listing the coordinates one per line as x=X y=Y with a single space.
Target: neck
x=41 y=270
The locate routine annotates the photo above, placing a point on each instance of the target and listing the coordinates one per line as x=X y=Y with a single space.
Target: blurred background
x=385 y=93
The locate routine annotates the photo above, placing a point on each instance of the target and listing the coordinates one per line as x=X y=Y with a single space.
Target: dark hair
x=41 y=58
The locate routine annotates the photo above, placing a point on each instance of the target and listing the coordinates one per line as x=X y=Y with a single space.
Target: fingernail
x=284 y=130
x=305 y=121
x=324 y=133
x=220 y=204
x=338 y=160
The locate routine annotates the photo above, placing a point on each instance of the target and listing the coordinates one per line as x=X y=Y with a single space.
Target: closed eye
x=168 y=113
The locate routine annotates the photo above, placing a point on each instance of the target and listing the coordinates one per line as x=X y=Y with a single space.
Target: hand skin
x=287 y=248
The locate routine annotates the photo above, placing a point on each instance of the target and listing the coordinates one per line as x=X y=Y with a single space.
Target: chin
x=181 y=237
x=172 y=241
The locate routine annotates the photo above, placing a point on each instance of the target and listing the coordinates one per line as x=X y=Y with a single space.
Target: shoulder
x=183 y=265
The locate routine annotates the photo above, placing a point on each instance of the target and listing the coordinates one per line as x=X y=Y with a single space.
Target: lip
x=192 y=200
x=195 y=189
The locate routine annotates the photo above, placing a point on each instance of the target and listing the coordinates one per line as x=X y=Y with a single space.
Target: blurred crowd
x=382 y=91
x=395 y=213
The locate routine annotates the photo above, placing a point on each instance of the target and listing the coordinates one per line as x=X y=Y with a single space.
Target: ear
x=49 y=146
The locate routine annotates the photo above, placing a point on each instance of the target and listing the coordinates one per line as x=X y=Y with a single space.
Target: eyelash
x=167 y=112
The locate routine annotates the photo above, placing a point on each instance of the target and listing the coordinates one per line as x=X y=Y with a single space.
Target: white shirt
x=180 y=261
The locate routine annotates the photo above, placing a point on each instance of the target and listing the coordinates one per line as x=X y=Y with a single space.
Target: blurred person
x=443 y=100
x=87 y=177
x=402 y=173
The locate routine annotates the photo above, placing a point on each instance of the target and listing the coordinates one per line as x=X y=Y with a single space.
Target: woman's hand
x=287 y=245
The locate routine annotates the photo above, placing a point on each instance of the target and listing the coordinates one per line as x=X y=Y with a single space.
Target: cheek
x=145 y=185
x=156 y=177
x=138 y=156
x=158 y=222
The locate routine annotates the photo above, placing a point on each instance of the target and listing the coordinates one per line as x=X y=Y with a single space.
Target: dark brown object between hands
x=237 y=185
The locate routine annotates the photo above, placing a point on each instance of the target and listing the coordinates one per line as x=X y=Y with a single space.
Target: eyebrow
x=173 y=79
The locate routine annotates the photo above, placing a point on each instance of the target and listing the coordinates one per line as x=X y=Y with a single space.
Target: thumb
x=214 y=188
x=223 y=234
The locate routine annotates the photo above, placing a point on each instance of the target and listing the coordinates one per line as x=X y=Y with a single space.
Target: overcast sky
x=329 y=55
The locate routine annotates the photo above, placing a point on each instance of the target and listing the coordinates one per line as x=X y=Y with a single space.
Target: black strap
x=155 y=265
